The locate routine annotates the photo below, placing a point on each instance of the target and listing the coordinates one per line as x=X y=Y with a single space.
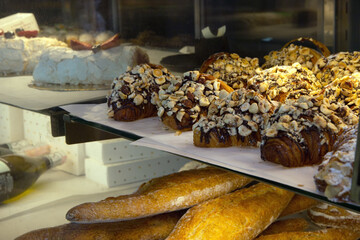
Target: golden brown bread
x=326 y=215
x=298 y=204
x=151 y=228
x=325 y=234
x=164 y=194
x=242 y=214
x=287 y=225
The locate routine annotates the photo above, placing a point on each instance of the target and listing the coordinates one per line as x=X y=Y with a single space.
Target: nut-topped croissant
x=130 y=97
x=184 y=101
x=336 y=66
x=302 y=131
x=291 y=53
x=231 y=68
x=236 y=120
x=282 y=82
x=345 y=90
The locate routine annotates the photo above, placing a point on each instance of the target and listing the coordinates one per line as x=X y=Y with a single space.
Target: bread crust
x=325 y=234
x=326 y=215
x=287 y=225
x=164 y=194
x=151 y=228
x=242 y=214
x=298 y=204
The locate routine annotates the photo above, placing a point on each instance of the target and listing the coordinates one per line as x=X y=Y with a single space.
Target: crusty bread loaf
x=326 y=215
x=151 y=228
x=242 y=214
x=164 y=194
x=298 y=204
x=325 y=234
x=287 y=225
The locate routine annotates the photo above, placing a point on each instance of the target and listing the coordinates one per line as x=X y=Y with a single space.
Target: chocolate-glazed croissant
x=130 y=97
x=302 y=131
x=183 y=102
x=236 y=120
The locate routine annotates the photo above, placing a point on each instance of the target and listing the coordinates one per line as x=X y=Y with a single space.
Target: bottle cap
x=56 y=158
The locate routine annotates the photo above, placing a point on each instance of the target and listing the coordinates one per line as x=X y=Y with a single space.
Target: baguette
x=242 y=214
x=164 y=194
x=287 y=225
x=324 y=234
x=151 y=228
x=298 y=204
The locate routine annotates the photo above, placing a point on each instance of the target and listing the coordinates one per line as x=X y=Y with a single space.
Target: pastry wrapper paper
x=155 y=135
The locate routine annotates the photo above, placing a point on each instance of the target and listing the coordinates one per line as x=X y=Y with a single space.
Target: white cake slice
x=20 y=55
x=62 y=65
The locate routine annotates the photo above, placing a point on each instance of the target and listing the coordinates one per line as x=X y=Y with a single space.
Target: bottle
x=16 y=147
x=25 y=147
x=4 y=151
x=18 y=172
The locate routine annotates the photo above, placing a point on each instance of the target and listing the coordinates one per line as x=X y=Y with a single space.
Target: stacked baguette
x=202 y=203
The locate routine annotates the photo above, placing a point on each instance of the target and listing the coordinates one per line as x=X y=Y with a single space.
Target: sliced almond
x=160 y=80
x=157 y=73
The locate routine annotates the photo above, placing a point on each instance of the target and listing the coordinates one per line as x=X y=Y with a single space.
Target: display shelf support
x=80 y=133
x=355 y=184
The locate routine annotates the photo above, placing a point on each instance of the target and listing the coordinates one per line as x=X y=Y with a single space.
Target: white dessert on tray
x=20 y=55
x=62 y=65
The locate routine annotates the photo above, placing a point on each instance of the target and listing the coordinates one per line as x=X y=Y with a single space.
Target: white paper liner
x=244 y=160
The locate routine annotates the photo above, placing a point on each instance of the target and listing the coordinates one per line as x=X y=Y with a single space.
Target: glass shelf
x=128 y=134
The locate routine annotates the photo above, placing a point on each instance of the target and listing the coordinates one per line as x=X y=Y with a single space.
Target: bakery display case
x=265 y=91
